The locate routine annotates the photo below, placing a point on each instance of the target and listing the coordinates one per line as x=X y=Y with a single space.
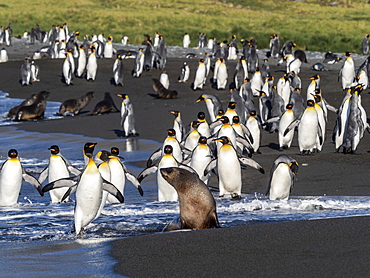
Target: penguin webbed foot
x=235 y=197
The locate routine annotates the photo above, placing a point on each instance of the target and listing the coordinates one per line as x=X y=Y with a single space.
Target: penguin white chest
x=10 y=182
x=166 y=192
x=229 y=171
x=281 y=182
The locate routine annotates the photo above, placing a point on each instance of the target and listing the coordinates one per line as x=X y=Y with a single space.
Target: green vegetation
x=313 y=25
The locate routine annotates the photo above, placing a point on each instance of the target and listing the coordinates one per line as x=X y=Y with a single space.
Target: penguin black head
x=236 y=119
x=89 y=149
x=114 y=151
x=176 y=113
x=54 y=149
x=224 y=140
x=220 y=112
x=294 y=167
x=168 y=149
x=200 y=98
x=253 y=113
x=12 y=153
x=122 y=95
x=348 y=54
x=194 y=124
x=202 y=140
x=224 y=119
x=310 y=103
x=171 y=132
x=201 y=115
x=289 y=106
x=104 y=155
x=232 y=105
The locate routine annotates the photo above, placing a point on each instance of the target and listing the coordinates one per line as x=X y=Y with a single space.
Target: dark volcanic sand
x=305 y=248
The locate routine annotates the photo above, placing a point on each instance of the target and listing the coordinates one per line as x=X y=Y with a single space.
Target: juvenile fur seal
x=75 y=106
x=105 y=106
x=28 y=101
x=35 y=110
x=161 y=91
x=197 y=205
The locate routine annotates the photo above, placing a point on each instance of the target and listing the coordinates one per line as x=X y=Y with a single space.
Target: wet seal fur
x=197 y=205
x=161 y=91
x=27 y=102
x=105 y=106
x=75 y=106
x=34 y=111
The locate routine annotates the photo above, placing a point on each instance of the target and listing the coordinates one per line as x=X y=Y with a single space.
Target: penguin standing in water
x=347 y=73
x=118 y=71
x=58 y=168
x=365 y=45
x=184 y=73
x=81 y=62
x=11 y=176
x=227 y=162
x=26 y=72
x=119 y=173
x=138 y=64
x=127 y=116
x=283 y=173
x=89 y=191
x=92 y=66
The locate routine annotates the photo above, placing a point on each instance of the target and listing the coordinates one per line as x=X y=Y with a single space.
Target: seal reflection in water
x=197 y=205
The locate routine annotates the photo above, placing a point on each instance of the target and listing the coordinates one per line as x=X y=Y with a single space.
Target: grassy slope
x=313 y=25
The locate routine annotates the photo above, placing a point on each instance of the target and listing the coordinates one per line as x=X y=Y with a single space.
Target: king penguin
x=67 y=71
x=285 y=140
x=178 y=125
x=347 y=72
x=58 y=168
x=221 y=76
x=365 y=45
x=81 y=62
x=186 y=41
x=138 y=64
x=227 y=162
x=118 y=71
x=213 y=105
x=200 y=76
x=184 y=73
x=26 y=72
x=282 y=176
x=127 y=116
x=11 y=176
x=3 y=55
x=119 y=173
x=92 y=66
x=108 y=48
x=89 y=192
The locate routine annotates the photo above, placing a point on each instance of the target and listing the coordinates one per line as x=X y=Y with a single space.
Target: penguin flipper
x=110 y=188
x=33 y=181
x=65 y=182
x=245 y=143
x=186 y=167
x=74 y=170
x=247 y=132
x=292 y=125
x=43 y=175
x=252 y=163
x=154 y=158
x=147 y=172
x=135 y=182
x=211 y=165
x=68 y=192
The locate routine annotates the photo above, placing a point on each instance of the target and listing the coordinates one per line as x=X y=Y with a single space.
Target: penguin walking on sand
x=200 y=76
x=118 y=68
x=11 y=176
x=253 y=124
x=91 y=66
x=119 y=174
x=138 y=64
x=213 y=105
x=26 y=72
x=178 y=125
x=282 y=176
x=67 y=71
x=89 y=188
x=81 y=62
x=58 y=168
x=221 y=75
x=347 y=72
x=184 y=73
x=3 y=55
x=365 y=45
x=227 y=162
x=108 y=48
x=35 y=69
x=285 y=140
x=127 y=116
x=164 y=79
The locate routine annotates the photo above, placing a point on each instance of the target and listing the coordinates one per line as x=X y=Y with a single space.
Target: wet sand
x=322 y=247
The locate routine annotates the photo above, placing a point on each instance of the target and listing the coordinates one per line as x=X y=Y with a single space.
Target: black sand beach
x=335 y=247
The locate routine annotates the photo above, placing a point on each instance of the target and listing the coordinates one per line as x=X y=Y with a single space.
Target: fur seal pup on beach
x=105 y=106
x=28 y=101
x=75 y=106
x=282 y=176
x=197 y=205
x=89 y=188
x=58 y=168
x=161 y=91
x=11 y=176
x=34 y=111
